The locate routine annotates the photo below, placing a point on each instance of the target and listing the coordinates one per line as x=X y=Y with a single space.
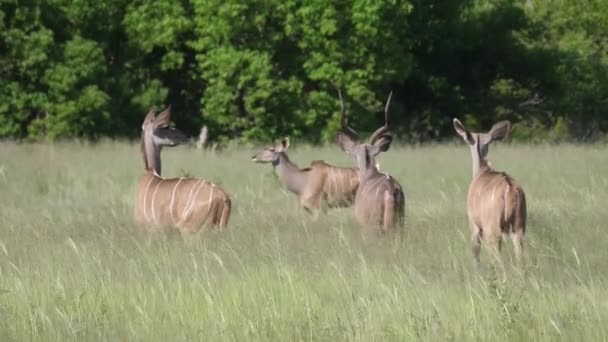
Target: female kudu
x=496 y=204
x=188 y=204
x=319 y=186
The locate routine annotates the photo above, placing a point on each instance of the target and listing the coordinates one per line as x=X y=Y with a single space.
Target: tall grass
x=72 y=267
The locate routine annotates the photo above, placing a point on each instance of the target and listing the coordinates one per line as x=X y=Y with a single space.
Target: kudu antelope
x=204 y=142
x=189 y=204
x=496 y=204
x=318 y=186
x=380 y=202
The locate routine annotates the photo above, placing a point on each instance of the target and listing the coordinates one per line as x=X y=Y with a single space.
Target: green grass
x=73 y=268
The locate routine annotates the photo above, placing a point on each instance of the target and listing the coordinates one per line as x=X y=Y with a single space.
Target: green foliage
x=576 y=32
x=261 y=69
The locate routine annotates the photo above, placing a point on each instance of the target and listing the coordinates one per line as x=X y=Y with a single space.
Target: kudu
x=318 y=186
x=496 y=204
x=204 y=142
x=189 y=204
x=380 y=202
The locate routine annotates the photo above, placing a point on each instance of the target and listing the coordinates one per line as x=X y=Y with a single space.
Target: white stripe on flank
x=202 y=182
x=190 y=197
x=505 y=201
x=351 y=179
x=209 y=201
x=210 y=197
x=340 y=181
x=332 y=179
x=152 y=203
x=145 y=196
x=173 y=199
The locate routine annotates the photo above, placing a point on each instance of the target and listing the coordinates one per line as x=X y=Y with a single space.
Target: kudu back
x=189 y=204
x=496 y=203
x=380 y=202
x=318 y=186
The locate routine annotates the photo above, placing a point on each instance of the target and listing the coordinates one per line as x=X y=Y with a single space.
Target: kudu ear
x=163 y=119
x=149 y=118
x=283 y=145
x=500 y=130
x=169 y=136
x=463 y=132
x=346 y=142
x=382 y=144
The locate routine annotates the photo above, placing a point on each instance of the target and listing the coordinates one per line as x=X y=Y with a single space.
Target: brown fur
x=191 y=205
x=380 y=202
x=379 y=205
x=336 y=186
x=496 y=203
x=317 y=187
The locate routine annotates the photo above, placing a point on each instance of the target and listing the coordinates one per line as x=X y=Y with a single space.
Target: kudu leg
x=476 y=246
x=191 y=238
x=494 y=242
x=518 y=248
x=149 y=238
x=191 y=233
x=225 y=214
x=369 y=234
x=312 y=206
x=149 y=233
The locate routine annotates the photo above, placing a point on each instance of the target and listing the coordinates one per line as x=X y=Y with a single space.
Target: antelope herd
x=496 y=204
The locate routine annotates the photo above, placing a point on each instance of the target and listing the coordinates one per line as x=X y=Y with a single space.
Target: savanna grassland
x=73 y=268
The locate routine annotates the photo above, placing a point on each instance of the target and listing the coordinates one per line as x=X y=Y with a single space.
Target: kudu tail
x=519 y=223
x=400 y=207
x=515 y=210
x=225 y=214
x=388 y=223
x=515 y=216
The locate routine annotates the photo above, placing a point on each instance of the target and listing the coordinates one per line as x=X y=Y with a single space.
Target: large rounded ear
x=346 y=142
x=382 y=144
x=163 y=119
x=168 y=136
x=149 y=118
x=463 y=132
x=283 y=145
x=500 y=130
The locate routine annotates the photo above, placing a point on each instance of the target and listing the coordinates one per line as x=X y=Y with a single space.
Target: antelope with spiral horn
x=380 y=202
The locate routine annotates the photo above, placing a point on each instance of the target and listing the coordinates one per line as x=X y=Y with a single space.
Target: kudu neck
x=283 y=161
x=150 y=154
x=480 y=164
x=367 y=169
x=289 y=173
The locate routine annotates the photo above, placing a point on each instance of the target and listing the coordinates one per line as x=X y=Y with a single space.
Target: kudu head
x=365 y=153
x=156 y=133
x=271 y=154
x=480 y=142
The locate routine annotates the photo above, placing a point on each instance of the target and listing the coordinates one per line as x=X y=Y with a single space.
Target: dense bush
x=259 y=69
